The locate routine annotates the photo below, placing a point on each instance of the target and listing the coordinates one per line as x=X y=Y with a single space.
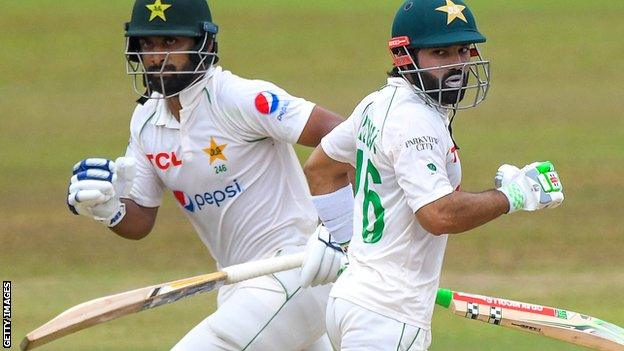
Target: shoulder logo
x=266 y=102
x=453 y=11
x=184 y=200
x=157 y=9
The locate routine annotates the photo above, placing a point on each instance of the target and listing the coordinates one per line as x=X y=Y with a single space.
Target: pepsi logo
x=266 y=102
x=184 y=200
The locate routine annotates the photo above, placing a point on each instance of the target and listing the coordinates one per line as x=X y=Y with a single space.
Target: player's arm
x=324 y=174
x=534 y=187
x=320 y=123
x=327 y=171
x=138 y=221
x=461 y=211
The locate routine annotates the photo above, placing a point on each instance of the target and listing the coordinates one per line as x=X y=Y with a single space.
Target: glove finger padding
x=94 y=174
x=323 y=259
x=94 y=163
x=97 y=184
x=125 y=170
x=505 y=174
x=329 y=265
x=315 y=249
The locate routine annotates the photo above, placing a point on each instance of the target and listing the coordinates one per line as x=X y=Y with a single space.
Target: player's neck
x=174 y=106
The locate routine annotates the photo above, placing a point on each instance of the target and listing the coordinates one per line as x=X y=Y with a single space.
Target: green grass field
x=557 y=94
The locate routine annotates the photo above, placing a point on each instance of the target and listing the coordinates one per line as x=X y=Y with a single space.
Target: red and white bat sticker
x=508 y=304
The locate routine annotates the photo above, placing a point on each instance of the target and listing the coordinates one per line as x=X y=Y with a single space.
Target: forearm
x=138 y=221
x=324 y=174
x=462 y=211
x=320 y=123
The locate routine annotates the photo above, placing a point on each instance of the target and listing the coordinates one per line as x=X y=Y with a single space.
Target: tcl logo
x=164 y=160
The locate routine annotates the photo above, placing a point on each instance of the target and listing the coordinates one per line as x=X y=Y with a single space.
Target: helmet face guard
x=170 y=18
x=146 y=81
x=475 y=77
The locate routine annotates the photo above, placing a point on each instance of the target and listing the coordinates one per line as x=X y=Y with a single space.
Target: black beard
x=171 y=83
x=433 y=84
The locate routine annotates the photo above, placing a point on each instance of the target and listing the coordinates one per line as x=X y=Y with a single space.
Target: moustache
x=164 y=69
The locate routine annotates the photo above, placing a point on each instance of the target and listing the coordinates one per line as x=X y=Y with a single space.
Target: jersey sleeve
x=339 y=144
x=147 y=188
x=259 y=109
x=418 y=154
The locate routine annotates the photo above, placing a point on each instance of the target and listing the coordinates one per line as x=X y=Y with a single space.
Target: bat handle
x=249 y=270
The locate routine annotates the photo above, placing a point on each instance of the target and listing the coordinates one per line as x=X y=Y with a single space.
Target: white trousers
x=270 y=313
x=354 y=328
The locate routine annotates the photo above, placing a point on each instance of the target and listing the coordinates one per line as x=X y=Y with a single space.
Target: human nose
x=155 y=59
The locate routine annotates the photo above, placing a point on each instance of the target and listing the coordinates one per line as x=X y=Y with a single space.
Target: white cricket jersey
x=404 y=159
x=229 y=163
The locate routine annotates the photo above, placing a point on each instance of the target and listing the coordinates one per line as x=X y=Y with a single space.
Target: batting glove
x=534 y=187
x=505 y=174
x=324 y=260
x=95 y=188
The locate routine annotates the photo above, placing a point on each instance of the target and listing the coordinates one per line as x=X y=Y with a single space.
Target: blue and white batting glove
x=95 y=188
x=324 y=261
x=534 y=187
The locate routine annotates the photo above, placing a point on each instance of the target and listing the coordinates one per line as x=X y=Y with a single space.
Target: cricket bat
x=556 y=323
x=111 y=307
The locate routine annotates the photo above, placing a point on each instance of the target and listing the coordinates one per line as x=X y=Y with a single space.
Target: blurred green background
x=557 y=94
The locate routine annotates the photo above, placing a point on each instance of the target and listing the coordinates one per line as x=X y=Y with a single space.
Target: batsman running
x=222 y=146
x=407 y=186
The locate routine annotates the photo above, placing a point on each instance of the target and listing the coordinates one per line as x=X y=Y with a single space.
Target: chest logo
x=215 y=151
x=157 y=9
x=266 y=102
x=184 y=200
x=164 y=160
x=454 y=11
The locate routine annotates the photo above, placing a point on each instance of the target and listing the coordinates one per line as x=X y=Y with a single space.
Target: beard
x=170 y=84
x=454 y=79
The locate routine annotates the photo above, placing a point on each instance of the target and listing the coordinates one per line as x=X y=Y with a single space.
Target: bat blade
x=110 y=307
x=572 y=327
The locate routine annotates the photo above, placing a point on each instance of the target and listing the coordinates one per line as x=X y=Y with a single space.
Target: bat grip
x=249 y=270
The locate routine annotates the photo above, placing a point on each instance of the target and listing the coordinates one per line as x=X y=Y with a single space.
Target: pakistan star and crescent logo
x=454 y=11
x=157 y=9
x=215 y=151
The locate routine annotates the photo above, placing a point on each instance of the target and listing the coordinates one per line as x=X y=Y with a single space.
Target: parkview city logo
x=266 y=102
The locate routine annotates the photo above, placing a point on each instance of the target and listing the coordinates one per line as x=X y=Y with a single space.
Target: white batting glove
x=534 y=187
x=324 y=260
x=96 y=186
x=505 y=174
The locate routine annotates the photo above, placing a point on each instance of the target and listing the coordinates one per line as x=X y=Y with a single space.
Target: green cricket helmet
x=421 y=24
x=170 y=18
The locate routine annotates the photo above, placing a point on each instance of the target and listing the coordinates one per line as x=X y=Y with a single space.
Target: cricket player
x=222 y=146
x=407 y=187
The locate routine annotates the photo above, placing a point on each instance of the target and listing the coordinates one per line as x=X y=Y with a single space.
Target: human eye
x=144 y=44
x=170 y=41
x=464 y=50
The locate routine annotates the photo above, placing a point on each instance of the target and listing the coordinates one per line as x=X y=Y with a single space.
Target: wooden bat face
x=111 y=307
x=556 y=323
